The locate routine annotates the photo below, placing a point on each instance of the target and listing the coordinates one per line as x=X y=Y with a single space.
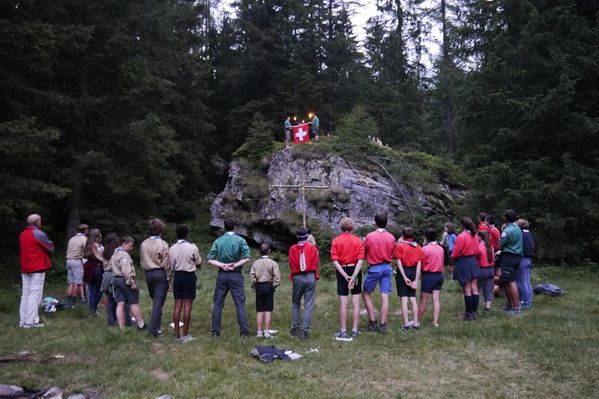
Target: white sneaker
x=187 y=338
x=267 y=334
x=35 y=325
x=259 y=334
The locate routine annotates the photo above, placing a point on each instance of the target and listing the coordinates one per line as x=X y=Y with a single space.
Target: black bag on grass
x=547 y=289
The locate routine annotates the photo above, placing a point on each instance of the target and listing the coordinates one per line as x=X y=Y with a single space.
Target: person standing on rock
x=380 y=250
x=229 y=253
x=35 y=260
x=154 y=260
x=347 y=254
x=184 y=259
x=287 y=126
x=315 y=122
x=303 y=262
x=74 y=265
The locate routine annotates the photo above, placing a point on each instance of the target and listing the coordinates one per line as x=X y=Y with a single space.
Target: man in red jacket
x=303 y=262
x=35 y=260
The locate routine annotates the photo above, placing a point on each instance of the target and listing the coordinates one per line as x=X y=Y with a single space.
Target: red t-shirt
x=433 y=258
x=347 y=249
x=494 y=236
x=311 y=258
x=380 y=247
x=482 y=226
x=408 y=253
x=465 y=245
x=482 y=258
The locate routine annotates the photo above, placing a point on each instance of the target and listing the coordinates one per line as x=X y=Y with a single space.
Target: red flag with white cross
x=301 y=133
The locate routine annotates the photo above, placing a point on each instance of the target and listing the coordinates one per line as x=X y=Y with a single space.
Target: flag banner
x=301 y=133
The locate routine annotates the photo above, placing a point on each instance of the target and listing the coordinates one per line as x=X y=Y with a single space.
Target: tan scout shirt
x=265 y=270
x=184 y=256
x=121 y=265
x=154 y=255
x=75 y=246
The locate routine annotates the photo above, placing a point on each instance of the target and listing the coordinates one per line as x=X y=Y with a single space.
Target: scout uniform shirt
x=154 y=255
x=184 y=256
x=408 y=252
x=265 y=270
x=347 y=249
x=121 y=265
x=511 y=240
x=229 y=248
x=76 y=246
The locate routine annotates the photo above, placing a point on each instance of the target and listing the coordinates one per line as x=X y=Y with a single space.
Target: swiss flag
x=301 y=133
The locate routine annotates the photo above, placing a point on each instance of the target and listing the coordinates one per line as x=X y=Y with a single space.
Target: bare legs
x=436 y=306
x=186 y=306
x=135 y=310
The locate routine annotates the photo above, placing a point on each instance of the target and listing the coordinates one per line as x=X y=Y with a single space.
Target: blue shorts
x=382 y=274
x=431 y=281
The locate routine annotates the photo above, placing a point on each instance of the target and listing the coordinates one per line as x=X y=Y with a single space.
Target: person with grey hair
x=35 y=260
x=154 y=252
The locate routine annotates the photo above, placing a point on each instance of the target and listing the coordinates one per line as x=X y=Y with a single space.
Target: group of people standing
x=474 y=257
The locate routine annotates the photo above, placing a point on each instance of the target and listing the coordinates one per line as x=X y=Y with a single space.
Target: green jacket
x=229 y=248
x=511 y=240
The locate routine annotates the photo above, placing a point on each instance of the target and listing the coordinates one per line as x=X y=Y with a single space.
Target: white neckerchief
x=381 y=230
x=181 y=241
x=230 y=233
x=155 y=237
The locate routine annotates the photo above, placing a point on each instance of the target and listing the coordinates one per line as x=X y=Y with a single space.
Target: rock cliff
x=358 y=190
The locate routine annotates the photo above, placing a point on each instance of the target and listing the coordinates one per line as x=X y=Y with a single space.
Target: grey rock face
x=355 y=192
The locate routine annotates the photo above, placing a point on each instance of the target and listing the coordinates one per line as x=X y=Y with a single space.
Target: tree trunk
x=447 y=108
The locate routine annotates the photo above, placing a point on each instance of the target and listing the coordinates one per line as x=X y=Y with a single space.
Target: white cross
x=301 y=133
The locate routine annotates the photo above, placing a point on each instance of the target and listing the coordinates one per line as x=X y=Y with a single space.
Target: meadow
x=550 y=351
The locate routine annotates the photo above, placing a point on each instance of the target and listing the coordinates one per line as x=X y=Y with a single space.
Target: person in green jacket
x=229 y=253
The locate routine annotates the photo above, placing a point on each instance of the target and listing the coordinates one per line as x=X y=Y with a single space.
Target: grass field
x=551 y=351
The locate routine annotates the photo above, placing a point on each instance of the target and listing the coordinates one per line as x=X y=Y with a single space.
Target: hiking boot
x=474 y=315
x=372 y=326
x=294 y=332
x=382 y=328
x=467 y=316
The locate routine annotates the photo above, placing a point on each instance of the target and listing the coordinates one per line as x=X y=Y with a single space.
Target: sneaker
x=267 y=334
x=487 y=309
x=355 y=334
x=512 y=312
x=294 y=332
x=435 y=325
x=474 y=315
x=214 y=334
x=467 y=316
x=305 y=336
x=34 y=325
x=526 y=306
x=186 y=339
x=342 y=336
x=506 y=307
x=383 y=328
x=406 y=327
x=259 y=334
x=144 y=327
x=244 y=334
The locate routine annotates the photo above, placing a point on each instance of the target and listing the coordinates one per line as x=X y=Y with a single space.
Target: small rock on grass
x=8 y=390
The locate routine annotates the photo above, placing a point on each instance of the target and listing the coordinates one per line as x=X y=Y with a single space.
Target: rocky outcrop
x=270 y=214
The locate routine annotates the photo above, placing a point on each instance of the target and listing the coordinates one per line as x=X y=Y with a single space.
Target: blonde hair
x=347 y=224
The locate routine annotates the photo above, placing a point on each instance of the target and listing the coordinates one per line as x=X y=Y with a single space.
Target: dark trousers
x=225 y=282
x=157 y=287
x=94 y=289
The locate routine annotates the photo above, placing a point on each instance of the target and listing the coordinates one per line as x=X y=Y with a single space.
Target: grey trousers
x=304 y=285
x=486 y=283
x=158 y=288
x=225 y=282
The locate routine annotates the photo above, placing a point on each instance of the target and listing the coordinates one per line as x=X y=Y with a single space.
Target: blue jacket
x=528 y=243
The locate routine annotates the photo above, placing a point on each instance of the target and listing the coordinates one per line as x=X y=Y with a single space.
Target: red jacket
x=35 y=250
x=311 y=256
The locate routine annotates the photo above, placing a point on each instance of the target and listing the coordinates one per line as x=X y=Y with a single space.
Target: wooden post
x=303 y=187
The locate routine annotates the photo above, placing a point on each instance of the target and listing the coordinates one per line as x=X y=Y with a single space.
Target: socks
x=468 y=303
x=475 y=299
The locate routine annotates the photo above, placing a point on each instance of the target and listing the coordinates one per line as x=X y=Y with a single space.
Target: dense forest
x=112 y=112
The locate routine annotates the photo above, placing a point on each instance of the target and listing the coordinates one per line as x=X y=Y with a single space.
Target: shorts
x=509 y=266
x=381 y=274
x=74 y=271
x=402 y=288
x=265 y=296
x=342 y=288
x=123 y=292
x=314 y=131
x=287 y=134
x=466 y=269
x=431 y=281
x=184 y=285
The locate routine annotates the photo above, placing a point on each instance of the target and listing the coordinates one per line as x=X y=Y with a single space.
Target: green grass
x=551 y=351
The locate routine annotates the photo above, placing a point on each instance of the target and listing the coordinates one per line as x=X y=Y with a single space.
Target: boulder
x=269 y=214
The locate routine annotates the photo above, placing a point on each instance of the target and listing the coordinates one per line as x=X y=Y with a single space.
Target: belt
x=349 y=265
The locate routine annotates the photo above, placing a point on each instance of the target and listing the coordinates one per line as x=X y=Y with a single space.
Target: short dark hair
x=156 y=227
x=510 y=215
x=182 y=231
x=430 y=234
x=126 y=239
x=229 y=225
x=483 y=216
x=264 y=249
x=381 y=220
x=469 y=225
x=407 y=232
x=450 y=228
x=302 y=234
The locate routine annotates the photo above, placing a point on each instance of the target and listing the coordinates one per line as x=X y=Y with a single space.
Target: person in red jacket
x=303 y=262
x=485 y=223
x=486 y=261
x=466 y=268
x=35 y=260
